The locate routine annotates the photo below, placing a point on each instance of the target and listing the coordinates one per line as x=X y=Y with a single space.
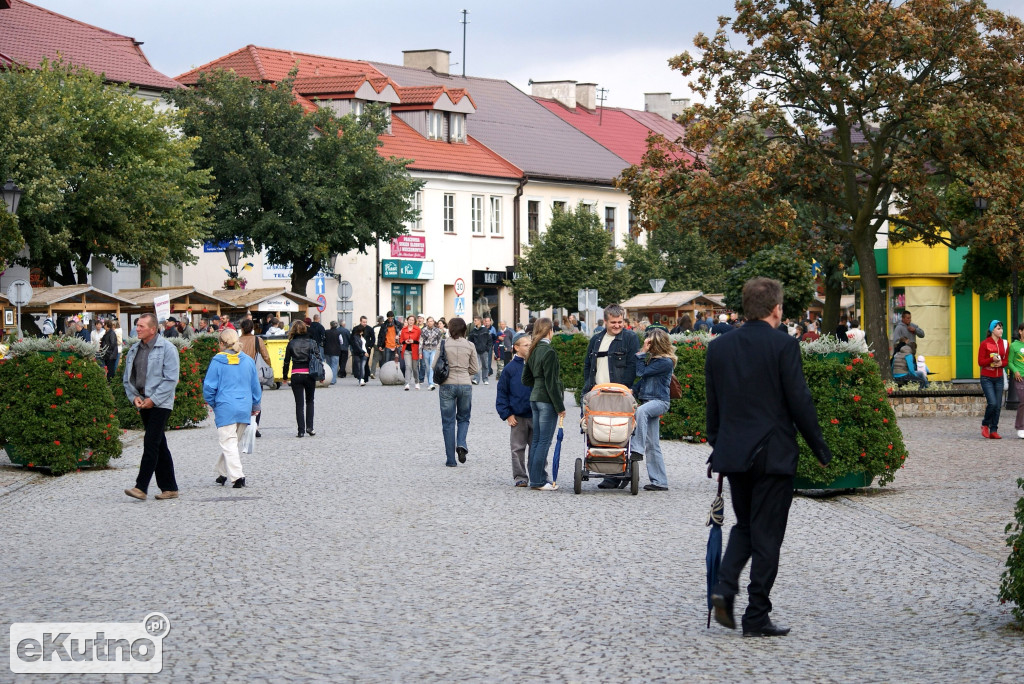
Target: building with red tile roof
x=272 y=65
x=29 y=34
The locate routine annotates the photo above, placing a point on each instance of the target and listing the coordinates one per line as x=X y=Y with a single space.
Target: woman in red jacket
x=409 y=343
x=992 y=353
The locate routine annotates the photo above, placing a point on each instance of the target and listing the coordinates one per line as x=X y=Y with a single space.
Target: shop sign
x=278 y=304
x=488 y=278
x=409 y=247
x=407 y=270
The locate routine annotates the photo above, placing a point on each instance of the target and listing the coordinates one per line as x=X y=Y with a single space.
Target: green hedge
x=856 y=419
x=189 y=407
x=1011 y=587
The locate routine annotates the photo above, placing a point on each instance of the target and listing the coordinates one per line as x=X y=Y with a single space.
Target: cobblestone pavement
x=356 y=556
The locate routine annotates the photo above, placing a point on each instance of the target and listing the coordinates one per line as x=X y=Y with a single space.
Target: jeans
x=484 y=365
x=456 y=404
x=358 y=366
x=544 y=422
x=156 y=457
x=423 y=366
x=332 y=361
x=993 y=389
x=647 y=439
x=428 y=364
x=303 y=388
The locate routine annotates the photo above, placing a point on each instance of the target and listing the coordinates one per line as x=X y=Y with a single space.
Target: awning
x=182 y=299
x=75 y=299
x=270 y=299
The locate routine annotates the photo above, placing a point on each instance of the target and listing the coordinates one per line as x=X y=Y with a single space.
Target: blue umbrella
x=716 y=516
x=558 y=451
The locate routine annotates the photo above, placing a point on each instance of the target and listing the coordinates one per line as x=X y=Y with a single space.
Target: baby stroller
x=609 y=417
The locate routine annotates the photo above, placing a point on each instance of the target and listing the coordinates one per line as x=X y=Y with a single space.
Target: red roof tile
x=616 y=129
x=470 y=158
x=329 y=85
x=29 y=34
x=430 y=94
x=268 y=64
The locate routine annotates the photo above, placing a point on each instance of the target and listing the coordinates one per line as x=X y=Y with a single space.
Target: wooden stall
x=672 y=305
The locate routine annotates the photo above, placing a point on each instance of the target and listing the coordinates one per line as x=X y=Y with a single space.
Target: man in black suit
x=756 y=392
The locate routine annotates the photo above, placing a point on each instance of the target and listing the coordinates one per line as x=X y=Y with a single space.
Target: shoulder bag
x=316 y=362
x=442 y=369
x=263 y=369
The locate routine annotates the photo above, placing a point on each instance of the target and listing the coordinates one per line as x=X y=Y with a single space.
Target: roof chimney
x=434 y=60
x=664 y=105
x=586 y=95
x=560 y=91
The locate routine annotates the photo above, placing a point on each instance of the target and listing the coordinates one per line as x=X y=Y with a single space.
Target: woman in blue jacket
x=232 y=389
x=655 y=364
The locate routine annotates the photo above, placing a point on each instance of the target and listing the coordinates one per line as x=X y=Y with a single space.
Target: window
x=357 y=107
x=532 y=221
x=435 y=125
x=495 y=215
x=558 y=206
x=457 y=128
x=633 y=234
x=476 y=215
x=609 y=222
x=590 y=206
x=417 y=206
x=449 y=213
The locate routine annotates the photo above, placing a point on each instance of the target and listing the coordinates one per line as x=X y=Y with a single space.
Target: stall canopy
x=266 y=299
x=183 y=299
x=672 y=304
x=75 y=299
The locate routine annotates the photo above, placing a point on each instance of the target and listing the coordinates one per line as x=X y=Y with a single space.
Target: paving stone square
x=355 y=555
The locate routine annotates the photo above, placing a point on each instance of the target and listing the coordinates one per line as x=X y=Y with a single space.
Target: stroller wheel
x=634 y=477
x=577 y=480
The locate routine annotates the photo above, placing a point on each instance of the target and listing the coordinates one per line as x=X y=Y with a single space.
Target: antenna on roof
x=602 y=95
x=464 y=22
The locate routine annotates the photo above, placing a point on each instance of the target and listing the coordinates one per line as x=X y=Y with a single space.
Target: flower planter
x=18 y=459
x=850 y=481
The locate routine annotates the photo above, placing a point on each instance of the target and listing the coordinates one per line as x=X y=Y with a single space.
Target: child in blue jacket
x=513 y=405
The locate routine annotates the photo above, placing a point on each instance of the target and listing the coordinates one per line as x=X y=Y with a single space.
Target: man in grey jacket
x=909 y=330
x=150 y=379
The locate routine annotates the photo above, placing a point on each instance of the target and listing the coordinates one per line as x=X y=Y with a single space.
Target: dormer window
x=435 y=125
x=457 y=128
x=357 y=107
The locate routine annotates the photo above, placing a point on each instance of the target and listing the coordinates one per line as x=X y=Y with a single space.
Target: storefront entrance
x=406 y=300
x=486 y=286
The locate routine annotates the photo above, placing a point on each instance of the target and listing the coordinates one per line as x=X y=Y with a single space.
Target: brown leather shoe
x=136 y=493
x=167 y=495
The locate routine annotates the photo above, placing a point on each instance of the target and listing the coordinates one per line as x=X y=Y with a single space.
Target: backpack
x=263 y=369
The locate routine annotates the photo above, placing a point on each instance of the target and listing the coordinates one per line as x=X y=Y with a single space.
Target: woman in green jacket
x=542 y=373
x=1015 y=366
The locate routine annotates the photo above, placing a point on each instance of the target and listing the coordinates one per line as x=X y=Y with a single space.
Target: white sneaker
x=432 y=387
x=406 y=388
x=417 y=385
x=476 y=382
x=486 y=383
x=1020 y=433
x=362 y=382
x=546 y=488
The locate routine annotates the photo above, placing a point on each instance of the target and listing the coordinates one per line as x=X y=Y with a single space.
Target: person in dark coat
x=757 y=398
x=317 y=332
x=345 y=343
x=332 y=350
x=722 y=326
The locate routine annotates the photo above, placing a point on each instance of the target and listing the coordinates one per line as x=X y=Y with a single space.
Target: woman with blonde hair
x=542 y=373
x=655 y=364
x=232 y=389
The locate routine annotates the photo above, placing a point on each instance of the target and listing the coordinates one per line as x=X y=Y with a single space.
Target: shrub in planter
x=204 y=347
x=56 y=409
x=1011 y=588
x=572 y=351
x=686 y=417
x=189 y=407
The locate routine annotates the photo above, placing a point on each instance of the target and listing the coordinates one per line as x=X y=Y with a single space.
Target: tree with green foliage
x=574 y=253
x=303 y=187
x=781 y=263
x=105 y=177
x=889 y=101
x=679 y=255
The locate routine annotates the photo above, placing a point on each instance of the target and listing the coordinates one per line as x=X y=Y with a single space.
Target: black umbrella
x=558 y=450
x=716 y=516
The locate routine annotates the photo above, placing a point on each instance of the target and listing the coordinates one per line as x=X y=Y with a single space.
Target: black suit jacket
x=756 y=400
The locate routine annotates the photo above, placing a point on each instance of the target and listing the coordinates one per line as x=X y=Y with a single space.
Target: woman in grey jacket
x=456 y=393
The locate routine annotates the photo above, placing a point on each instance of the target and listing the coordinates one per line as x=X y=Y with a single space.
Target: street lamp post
x=12 y=196
x=233 y=253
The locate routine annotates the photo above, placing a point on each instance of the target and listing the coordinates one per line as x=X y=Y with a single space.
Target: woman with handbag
x=456 y=393
x=992 y=357
x=250 y=344
x=298 y=356
x=232 y=389
x=655 y=363
x=110 y=349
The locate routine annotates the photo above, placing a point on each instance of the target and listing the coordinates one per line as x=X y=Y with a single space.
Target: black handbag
x=316 y=362
x=441 y=366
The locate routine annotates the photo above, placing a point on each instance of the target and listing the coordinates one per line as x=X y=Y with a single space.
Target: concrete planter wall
x=937 y=405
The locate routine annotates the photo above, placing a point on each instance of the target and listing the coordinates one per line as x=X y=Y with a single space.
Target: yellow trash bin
x=276 y=347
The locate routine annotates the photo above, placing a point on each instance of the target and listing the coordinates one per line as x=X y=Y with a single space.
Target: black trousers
x=342 y=360
x=303 y=388
x=761 y=504
x=156 y=457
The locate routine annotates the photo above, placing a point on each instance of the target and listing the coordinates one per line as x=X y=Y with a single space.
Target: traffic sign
x=460 y=306
x=460 y=287
x=321 y=303
x=344 y=290
x=19 y=293
x=320 y=284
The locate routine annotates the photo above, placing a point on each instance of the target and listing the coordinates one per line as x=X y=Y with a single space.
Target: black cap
x=172 y=319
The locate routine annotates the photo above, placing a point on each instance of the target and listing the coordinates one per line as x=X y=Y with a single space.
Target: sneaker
x=521 y=483
x=258 y=434
x=372 y=376
x=984 y=431
x=461 y=451
x=546 y=488
x=994 y=435
x=167 y=495
x=432 y=387
x=417 y=385
x=486 y=383
x=406 y=388
x=136 y=493
x=476 y=382
x=362 y=382
x=1020 y=433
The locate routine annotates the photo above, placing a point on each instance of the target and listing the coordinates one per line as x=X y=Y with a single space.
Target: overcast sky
x=622 y=46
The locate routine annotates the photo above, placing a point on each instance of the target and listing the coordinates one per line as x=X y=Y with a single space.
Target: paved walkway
x=356 y=556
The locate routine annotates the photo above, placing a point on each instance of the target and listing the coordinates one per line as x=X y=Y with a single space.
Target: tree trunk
x=874 y=324
x=301 y=276
x=833 y=292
